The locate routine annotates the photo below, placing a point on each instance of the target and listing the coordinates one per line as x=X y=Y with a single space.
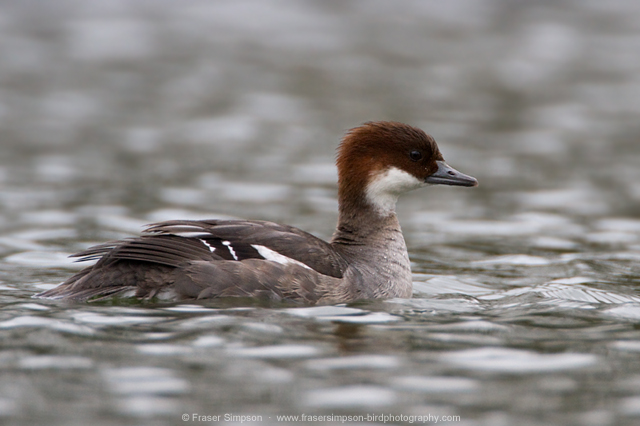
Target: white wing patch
x=274 y=256
x=233 y=253
x=211 y=248
x=186 y=234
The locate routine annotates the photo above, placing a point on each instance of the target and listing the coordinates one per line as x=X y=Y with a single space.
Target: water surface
x=526 y=303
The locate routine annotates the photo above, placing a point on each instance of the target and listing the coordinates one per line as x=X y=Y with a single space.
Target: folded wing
x=211 y=258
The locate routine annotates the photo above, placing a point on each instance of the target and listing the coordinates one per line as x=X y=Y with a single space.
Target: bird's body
x=366 y=259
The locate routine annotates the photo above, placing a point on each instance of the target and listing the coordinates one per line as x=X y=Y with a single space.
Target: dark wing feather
x=169 y=250
x=244 y=234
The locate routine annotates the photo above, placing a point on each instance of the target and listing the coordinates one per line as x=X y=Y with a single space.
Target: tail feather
x=64 y=292
x=113 y=279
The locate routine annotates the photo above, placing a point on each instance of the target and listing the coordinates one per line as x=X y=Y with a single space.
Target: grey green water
x=527 y=303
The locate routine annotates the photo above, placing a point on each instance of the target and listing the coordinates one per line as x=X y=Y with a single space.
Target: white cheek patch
x=233 y=253
x=385 y=187
x=274 y=256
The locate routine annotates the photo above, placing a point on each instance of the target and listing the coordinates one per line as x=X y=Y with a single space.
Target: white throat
x=385 y=187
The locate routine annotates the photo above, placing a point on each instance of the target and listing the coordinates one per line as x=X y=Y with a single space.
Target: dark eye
x=415 y=155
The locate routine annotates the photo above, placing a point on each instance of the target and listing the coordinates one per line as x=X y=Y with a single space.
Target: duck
x=365 y=259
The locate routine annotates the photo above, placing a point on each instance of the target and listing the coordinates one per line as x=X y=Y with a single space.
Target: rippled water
x=116 y=114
